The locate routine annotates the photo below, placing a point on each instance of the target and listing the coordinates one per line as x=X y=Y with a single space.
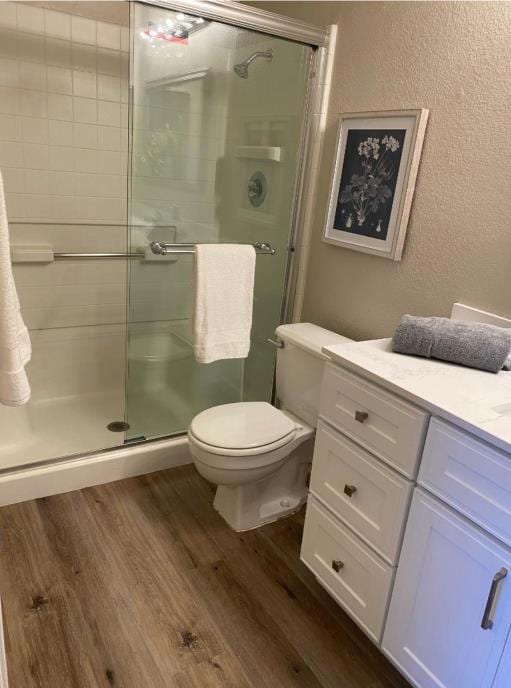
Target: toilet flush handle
x=277 y=342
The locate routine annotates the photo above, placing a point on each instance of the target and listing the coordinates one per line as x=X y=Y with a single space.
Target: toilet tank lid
x=309 y=337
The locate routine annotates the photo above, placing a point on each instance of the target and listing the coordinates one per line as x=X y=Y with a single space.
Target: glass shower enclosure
x=135 y=125
x=214 y=157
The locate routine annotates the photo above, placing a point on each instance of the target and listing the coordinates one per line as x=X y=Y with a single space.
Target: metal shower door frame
x=248 y=17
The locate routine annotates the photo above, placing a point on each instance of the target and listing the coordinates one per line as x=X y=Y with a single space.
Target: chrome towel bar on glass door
x=159 y=248
x=162 y=248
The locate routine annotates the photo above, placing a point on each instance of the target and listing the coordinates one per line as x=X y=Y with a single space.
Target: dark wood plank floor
x=140 y=584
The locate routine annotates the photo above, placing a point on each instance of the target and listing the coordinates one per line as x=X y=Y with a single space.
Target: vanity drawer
x=369 y=497
x=358 y=579
x=391 y=428
x=470 y=476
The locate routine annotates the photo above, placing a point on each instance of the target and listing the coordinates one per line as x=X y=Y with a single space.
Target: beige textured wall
x=453 y=58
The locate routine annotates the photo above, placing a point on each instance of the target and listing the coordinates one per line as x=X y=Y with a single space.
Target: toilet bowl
x=257 y=454
x=251 y=451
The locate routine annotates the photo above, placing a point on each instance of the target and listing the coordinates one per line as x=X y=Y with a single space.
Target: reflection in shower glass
x=202 y=139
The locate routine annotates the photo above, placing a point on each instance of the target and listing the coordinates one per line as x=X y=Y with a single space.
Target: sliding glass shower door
x=64 y=81
x=216 y=128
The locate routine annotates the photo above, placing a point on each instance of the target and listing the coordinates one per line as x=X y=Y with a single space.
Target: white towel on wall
x=224 y=295
x=15 y=350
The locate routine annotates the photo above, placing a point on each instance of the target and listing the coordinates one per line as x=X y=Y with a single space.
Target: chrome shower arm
x=266 y=54
x=241 y=69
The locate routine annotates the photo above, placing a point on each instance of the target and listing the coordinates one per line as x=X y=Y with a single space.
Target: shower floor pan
x=64 y=426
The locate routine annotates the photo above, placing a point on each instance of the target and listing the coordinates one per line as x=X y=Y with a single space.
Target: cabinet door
x=451 y=581
x=503 y=677
x=470 y=476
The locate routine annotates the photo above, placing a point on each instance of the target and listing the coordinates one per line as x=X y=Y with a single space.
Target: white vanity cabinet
x=367 y=448
x=450 y=614
x=438 y=600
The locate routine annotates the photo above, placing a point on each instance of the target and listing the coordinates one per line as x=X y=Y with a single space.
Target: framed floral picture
x=373 y=180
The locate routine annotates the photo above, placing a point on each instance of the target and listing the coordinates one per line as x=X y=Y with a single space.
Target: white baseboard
x=94 y=469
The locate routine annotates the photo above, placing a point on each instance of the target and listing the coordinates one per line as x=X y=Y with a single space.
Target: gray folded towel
x=471 y=344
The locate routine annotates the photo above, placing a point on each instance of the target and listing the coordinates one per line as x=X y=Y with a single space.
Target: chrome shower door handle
x=487 y=621
x=158 y=248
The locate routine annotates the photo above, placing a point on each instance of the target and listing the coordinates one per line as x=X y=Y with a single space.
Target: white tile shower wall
x=63 y=113
x=72 y=293
x=78 y=360
x=63 y=155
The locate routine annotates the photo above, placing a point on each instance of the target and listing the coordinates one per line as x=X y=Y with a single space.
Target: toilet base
x=280 y=494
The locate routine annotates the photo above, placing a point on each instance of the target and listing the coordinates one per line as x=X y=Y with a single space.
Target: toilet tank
x=300 y=366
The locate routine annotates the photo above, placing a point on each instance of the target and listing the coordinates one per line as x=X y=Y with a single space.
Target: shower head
x=241 y=69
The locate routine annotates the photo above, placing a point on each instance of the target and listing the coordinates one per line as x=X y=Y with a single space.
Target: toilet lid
x=243 y=425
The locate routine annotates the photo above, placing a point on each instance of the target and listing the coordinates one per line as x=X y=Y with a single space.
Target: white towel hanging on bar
x=224 y=294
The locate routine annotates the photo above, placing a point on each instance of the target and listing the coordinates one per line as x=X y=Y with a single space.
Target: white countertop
x=477 y=401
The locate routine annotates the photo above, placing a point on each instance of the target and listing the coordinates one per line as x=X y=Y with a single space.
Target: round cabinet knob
x=337 y=565
x=350 y=490
x=361 y=416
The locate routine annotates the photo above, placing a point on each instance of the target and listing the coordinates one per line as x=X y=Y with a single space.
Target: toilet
x=257 y=454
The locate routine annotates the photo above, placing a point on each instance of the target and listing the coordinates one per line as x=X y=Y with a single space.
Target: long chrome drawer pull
x=361 y=416
x=350 y=490
x=487 y=622
x=337 y=565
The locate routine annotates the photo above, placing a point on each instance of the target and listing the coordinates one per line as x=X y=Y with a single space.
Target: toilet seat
x=242 y=429
x=254 y=452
